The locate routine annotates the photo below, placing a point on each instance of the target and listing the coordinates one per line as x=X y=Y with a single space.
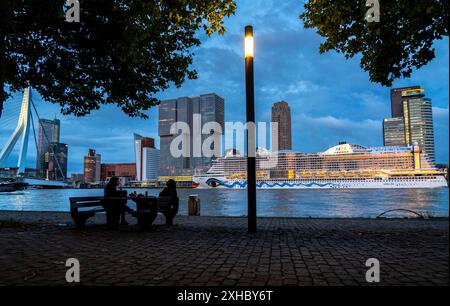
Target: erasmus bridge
x=21 y=134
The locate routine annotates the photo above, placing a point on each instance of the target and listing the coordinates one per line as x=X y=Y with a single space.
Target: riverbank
x=219 y=251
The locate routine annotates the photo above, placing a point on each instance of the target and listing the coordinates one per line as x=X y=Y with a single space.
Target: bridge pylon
x=22 y=130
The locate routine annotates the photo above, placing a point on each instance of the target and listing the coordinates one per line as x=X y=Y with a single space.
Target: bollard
x=194 y=205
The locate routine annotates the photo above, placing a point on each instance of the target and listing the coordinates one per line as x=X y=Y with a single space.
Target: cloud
x=332 y=122
x=439 y=112
x=296 y=88
x=316 y=134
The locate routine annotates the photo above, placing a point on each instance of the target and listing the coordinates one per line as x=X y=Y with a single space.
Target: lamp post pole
x=251 y=145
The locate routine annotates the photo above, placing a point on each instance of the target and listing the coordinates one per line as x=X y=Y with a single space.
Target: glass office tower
x=415 y=123
x=394 y=132
x=210 y=108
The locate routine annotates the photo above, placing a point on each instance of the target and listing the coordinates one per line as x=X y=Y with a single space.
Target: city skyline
x=326 y=106
x=29 y=163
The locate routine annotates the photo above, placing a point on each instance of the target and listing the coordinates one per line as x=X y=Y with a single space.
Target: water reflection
x=271 y=203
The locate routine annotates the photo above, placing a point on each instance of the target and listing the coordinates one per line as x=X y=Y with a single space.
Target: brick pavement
x=210 y=251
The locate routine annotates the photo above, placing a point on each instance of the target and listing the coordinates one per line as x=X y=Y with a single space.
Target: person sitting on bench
x=115 y=204
x=170 y=190
x=168 y=200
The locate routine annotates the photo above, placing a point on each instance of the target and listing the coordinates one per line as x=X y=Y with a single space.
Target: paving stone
x=216 y=251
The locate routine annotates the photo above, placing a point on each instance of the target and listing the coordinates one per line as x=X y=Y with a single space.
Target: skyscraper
x=419 y=113
x=281 y=114
x=150 y=164
x=147 y=158
x=397 y=100
x=56 y=161
x=92 y=167
x=394 y=132
x=417 y=117
x=211 y=109
x=49 y=132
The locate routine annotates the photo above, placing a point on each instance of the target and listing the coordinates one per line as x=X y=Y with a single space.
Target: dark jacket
x=168 y=192
x=111 y=191
x=113 y=197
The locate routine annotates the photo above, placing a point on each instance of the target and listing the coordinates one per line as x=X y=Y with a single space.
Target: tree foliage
x=391 y=49
x=122 y=52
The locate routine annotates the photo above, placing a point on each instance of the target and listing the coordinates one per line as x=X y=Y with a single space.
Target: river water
x=271 y=203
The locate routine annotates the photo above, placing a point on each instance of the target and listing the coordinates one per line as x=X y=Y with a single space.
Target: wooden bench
x=169 y=207
x=83 y=208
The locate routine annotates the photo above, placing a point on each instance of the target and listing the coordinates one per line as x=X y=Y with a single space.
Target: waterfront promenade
x=200 y=251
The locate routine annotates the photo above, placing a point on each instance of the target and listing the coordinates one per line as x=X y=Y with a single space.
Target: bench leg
x=81 y=218
x=145 y=221
x=112 y=219
x=153 y=217
x=80 y=221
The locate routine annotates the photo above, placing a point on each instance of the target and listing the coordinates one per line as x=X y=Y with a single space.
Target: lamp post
x=251 y=150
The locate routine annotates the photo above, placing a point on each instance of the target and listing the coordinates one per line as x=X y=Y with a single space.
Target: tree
x=121 y=52
x=392 y=48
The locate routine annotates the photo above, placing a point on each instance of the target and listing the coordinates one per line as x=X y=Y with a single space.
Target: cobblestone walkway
x=200 y=251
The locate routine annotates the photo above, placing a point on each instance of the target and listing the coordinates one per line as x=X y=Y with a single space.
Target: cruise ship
x=345 y=166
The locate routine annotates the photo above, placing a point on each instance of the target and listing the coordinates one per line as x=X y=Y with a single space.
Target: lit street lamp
x=251 y=149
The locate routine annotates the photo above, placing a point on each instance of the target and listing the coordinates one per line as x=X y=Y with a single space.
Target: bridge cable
x=34 y=130
x=8 y=120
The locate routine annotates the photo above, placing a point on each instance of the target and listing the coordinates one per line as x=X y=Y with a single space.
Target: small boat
x=12 y=186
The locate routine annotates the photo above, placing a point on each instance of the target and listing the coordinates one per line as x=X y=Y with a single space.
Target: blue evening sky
x=331 y=98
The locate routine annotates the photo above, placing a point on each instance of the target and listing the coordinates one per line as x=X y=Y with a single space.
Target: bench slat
x=84 y=199
x=86 y=204
x=84 y=211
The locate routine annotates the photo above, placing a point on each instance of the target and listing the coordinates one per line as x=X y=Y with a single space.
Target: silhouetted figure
x=115 y=204
x=170 y=190
x=168 y=199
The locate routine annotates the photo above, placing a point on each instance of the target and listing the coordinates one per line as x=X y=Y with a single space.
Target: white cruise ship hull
x=204 y=182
